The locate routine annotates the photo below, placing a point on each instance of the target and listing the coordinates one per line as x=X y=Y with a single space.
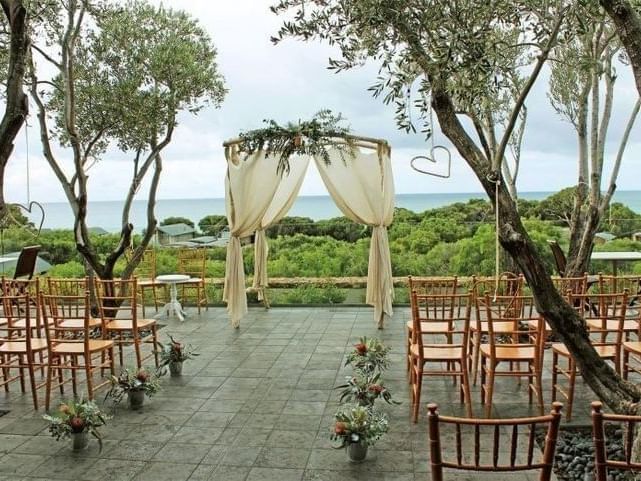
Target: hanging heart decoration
x=435 y=158
x=30 y=208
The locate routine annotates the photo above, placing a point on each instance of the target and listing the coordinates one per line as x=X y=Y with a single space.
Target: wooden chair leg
x=483 y=376
x=626 y=361
x=21 y=363
x=154 y=338
x=137 y=351
x=572 y=367
x=74 y=375
x=89 y=376
x=539 y=390
x=32 y=381
x=489 y=391
x=142 y=300
x=475 y=356
x=418 y=384
x=48 y=385
x=465 y=381
x=555 y=374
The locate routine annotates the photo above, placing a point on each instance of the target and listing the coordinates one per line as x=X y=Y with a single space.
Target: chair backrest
x=610 y=284
x=71 y=294
x=604 y=308
x=433 y=285
x=629 y=424
x=146 y=268
x=509 y=284
x=191 y=262
x=514 y=313
x=575 y=285
x=26 y=265
x=477 y=430
x=18 y=307
x=117 y=300
x=453 y=309
x=57 y=308
x=559 y=257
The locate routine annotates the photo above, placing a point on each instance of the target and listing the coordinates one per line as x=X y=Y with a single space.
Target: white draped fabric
x=363 y=189
x=257 y=196
x=250 y=186
x=283 y=200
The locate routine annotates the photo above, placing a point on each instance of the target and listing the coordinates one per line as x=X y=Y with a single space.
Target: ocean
x=106 y=214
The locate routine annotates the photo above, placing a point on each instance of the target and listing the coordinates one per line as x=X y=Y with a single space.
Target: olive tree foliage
x=461 y=56
x=581 y=90
x=122 y=73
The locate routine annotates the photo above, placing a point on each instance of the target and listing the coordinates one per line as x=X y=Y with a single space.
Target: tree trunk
x=628 y=26
x=17 y=106
x=566 y=323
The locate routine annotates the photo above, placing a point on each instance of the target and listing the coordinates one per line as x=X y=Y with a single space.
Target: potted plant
x=75 y=420
x=135 y=385
x=364 y=389
x=357 y=428
x=369 y=356
x=172 y=355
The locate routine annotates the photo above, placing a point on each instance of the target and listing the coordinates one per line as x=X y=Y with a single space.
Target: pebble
x=575 y=456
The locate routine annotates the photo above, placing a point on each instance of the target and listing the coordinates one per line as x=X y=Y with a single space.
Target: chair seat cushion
x=95 y=345
x=79 y=323
x=634 y=346
x=497 y=326
x=606 y=352
x=510 y=352
x=20 y=346
x=436 y=352
x=612 y=325
x=128 y=324
x=431 y=327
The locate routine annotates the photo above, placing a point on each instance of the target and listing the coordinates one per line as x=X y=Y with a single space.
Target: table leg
x=175 y=305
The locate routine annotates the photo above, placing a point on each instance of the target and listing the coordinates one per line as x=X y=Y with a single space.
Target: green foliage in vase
x=364 y=389
x=370 y=356
x=133 y=380
x=356 y=423
x=76 y=416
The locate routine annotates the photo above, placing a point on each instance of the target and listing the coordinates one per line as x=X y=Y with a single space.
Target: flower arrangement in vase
x=76 y=420
x=172 y=356
x=135 y=385
x=357 y=428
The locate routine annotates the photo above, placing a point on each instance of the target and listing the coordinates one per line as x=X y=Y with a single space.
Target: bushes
x=309 y=294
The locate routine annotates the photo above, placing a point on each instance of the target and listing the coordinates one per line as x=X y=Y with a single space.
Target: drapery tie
x=234 y=291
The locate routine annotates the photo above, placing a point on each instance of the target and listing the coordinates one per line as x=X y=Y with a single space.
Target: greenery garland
x=313 y=137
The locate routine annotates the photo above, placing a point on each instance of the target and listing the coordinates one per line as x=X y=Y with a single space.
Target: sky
x=290 y=81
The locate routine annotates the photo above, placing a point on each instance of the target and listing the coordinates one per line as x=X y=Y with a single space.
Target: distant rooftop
x=176 y=229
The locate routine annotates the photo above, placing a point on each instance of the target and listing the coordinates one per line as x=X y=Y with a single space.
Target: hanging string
x=26 y=134
x=497 y=258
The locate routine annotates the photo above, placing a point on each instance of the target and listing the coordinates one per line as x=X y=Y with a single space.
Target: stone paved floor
x=256 y=405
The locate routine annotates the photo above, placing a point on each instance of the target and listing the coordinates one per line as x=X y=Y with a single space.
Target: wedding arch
x=263 y=180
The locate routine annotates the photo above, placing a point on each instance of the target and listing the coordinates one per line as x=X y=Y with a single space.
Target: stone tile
x=272 y=457
x=182 y=453
x=272 y=474
x=20 y=464
x=10 y=442
x=197 y=435
x=230 y=473
x=165 y=472
x=133 y=450
x=113 y=470
x=240 y=456
x=67 y=466
x=290 y=439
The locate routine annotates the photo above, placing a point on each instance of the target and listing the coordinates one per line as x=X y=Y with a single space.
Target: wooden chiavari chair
x=599 y=438
x=609 y=313
x=66 y=314
x=428 y=285
x=19 y=348
x=119 y=313
x=146 y=276
x=514 y=343
x=508 y=284
x=476 y=432
x=192 y=262
x=452 y=355
x=71 y=306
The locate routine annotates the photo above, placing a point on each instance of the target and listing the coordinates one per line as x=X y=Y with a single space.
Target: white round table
x=173 y=306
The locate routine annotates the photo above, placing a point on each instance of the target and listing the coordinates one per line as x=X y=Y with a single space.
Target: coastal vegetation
x=457 y=239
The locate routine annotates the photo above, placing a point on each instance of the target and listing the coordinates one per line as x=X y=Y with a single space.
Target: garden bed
x=574 y=459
